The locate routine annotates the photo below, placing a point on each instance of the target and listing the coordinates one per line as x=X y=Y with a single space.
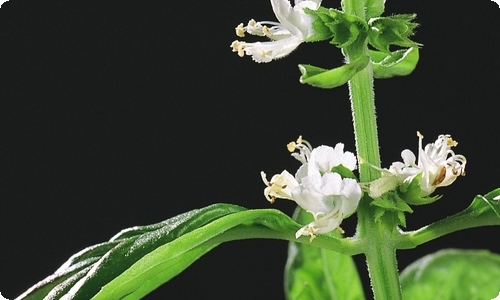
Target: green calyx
x=391 y=208
x=411 y=192
x=394 y=30
x=380 y=33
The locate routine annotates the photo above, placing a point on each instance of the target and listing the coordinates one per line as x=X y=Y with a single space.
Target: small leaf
x=316 y=273
x=398 y=63
x=453 y=274
x=324 y=78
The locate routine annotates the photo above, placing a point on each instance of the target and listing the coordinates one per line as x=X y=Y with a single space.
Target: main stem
x=376 y=237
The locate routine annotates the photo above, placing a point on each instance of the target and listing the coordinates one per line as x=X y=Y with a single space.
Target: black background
x=123 y=113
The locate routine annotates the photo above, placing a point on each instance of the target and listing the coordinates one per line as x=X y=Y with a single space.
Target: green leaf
x=454 y=275
x=139 y=259
x=325 y=78
x=316 y=273
x=398 y=63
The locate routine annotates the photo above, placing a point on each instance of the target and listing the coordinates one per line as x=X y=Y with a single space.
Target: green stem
x=377 y=238
x=383 y=267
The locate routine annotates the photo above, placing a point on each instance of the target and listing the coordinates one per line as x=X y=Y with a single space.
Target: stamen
x=266 y=31
x=239 y=47
x=340 y=230
x=451 y=142
x=252 y=23
x=240 y=30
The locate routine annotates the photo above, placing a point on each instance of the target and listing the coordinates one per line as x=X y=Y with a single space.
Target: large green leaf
x=454 y=275
x=139 y=259
x=316 y=273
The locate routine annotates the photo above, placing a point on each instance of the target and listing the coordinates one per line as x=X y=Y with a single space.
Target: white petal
x=408 y=157
x=267 y=51
x=321 y=159
x=286 y=15
x=295 y=19
x=351 y=191
x=331 y=184
x=301 y=173
x=309 y=196
x=347 y=159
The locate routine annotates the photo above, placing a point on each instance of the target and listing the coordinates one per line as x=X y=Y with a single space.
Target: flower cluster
x=317 y=187
x=437 y=166
x=294 y=27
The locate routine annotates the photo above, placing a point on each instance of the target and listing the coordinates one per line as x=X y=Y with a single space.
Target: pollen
x=240 y=30
x=451 y=142
x=252 y=23
x=291 y=146
x=238 y=47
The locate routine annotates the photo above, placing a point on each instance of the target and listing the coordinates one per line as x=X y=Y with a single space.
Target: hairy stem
x=380 y=252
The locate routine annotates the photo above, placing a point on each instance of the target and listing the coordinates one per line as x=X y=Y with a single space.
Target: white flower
x=440 y=165
x=280 y=186
x=329 y=198
x=437 y=163
x=294 y=27
x=315 y=188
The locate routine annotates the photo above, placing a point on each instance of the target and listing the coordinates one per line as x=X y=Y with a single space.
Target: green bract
x=392 y=208
x=374 y=8
x=344 y=29
x=411 y=191
x=397 y=63
x=325 y=78
x=395 y=30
